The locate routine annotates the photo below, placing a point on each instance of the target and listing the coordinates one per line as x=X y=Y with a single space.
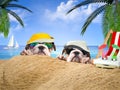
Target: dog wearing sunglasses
x=38 y=48
x=75 y=53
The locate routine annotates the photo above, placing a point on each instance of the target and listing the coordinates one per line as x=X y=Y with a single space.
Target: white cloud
x=61 y=11
x=80 y=14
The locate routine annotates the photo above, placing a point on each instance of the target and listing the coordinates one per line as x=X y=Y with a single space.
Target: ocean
x=9 y=53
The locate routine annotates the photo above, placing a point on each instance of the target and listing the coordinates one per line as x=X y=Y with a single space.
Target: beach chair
x=110 y=59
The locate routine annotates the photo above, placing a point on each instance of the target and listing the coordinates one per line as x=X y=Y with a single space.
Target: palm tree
x=111 y=15
x=4 y=18
x=111 y=19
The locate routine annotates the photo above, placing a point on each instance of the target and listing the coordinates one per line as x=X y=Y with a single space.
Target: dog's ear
x=87 y=54
x=63 y=51
x=54 y=46
x=27 y=46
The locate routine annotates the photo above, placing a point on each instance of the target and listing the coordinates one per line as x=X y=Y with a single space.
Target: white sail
x=16 y=44
x=12 y=44
x=11 y=41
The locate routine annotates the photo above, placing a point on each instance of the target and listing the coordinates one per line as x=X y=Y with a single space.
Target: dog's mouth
x=76 y=59
x=42 y=53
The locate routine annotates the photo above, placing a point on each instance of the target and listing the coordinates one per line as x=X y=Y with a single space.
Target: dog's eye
x=69 y=50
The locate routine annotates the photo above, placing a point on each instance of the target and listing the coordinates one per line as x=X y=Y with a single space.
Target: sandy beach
x=45 y=73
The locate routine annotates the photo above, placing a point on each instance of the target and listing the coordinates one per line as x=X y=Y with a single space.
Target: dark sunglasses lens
x=68 y=50
x=33 y=44
x=49 y=45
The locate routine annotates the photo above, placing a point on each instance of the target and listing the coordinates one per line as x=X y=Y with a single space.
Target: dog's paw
x=85 y=60
x=23 y=52
x=61 y=57
x=26 y=52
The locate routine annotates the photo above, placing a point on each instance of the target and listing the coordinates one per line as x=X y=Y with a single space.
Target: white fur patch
x=45 y=50
x=71 y=55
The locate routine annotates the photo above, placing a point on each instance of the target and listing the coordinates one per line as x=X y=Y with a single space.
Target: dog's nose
x=76 y=53
x=41 y=47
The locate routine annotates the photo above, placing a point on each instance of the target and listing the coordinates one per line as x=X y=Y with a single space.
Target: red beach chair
x=112 y=56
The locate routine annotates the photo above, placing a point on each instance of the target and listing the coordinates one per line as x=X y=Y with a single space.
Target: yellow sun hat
x=40 y=37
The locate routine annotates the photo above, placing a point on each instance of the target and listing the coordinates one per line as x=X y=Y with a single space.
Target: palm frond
x=88 y=2
x=2 y=2
x=106 y=19
x=6 y=26
x=111 y=20
x=106 y=25
x=19 y=6
x=4 y=18
x=4 y=23
x=15 y=0
x=109 y=1
x=16 y=16
x=91 y=17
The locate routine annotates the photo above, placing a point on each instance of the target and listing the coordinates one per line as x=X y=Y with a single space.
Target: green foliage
x=94 y=14
x=4 y=3
x=91 y=17
x=111 y=20
x=111 y=15
x=86 y=2
x=16 y=16
x=4 y=18
x=4 y=22
x=106 y=20
x=18 y=6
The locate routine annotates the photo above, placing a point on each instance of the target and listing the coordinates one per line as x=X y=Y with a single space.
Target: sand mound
x=45 y=73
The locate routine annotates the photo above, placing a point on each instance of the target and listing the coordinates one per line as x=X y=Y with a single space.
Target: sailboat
x=12 y=44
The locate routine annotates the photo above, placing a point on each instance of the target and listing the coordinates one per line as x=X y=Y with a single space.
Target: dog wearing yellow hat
x=75 y=51
x=40 y=43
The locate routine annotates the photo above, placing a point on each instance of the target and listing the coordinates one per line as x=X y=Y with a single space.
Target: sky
x=49 y=16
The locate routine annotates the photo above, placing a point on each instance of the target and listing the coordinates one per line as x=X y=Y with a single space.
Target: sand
x=45 y=73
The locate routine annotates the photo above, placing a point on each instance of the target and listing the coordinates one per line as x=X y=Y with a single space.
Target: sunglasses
x=49 y=45
x=68 y=50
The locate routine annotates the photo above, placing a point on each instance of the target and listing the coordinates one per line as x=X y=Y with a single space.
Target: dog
x=40 y=49
x=41 y=46
x=76 y=51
